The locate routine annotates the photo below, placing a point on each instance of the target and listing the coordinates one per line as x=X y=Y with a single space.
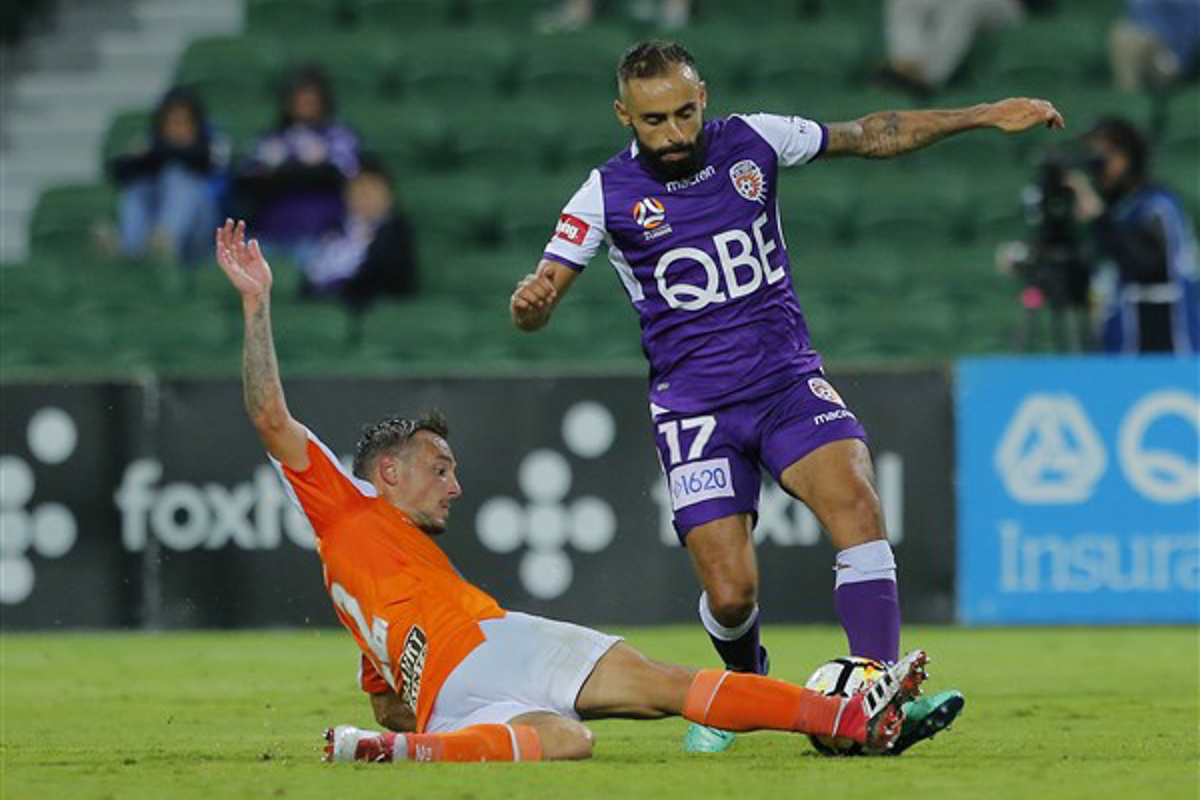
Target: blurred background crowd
x=404 y=162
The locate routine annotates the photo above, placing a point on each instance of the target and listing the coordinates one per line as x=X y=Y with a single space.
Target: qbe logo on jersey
x=1079 y=490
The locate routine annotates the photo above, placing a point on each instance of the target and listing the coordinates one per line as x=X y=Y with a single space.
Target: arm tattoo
x=891 y=133
x=261 y=387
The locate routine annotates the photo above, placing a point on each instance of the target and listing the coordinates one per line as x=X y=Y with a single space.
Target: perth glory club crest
x=748 y=180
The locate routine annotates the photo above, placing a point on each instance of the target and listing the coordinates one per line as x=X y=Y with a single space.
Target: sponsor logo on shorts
x=571 y=228
x=412 y=665
x=748 y=180
x=833 y=416
x=698 y=481
x=824 y=390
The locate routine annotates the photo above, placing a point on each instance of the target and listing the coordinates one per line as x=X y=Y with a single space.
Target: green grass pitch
x=1051 y=713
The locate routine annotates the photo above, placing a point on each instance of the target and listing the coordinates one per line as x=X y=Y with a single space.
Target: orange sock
x=474 y=743
x=735 y=701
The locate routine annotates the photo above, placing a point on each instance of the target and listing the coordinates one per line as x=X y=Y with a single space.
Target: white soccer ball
x=842 y=677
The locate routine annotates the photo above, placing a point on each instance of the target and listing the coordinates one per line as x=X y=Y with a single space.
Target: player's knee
x=567 y=743
x=732 y=602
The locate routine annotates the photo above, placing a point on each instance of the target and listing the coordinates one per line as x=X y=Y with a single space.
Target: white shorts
x=526 y=664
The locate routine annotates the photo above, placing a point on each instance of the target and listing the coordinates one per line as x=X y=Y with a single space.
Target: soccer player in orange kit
x=454 y=676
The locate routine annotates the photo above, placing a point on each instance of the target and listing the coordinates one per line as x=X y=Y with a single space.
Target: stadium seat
x=413 y=139
x=311 y=332
x=227 y=72
x=398 y=18
x=793 y=58
x=65 y=218
x=509 y=15
x=1048 y=55
x=476 y=278
x=723 y=62
x=289 y=17
x=452 y=213
x=456 y=68
x=127 y=133
x=576 y=64
x=503 y=141
x=770 y=12
x=530 y=209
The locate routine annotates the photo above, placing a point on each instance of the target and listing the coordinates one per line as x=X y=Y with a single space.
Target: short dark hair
x=652 y=59
x=1124 y=136
x=393 y=434
x=305 y=76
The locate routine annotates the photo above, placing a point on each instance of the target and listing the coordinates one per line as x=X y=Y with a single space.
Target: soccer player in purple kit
x=690 y=217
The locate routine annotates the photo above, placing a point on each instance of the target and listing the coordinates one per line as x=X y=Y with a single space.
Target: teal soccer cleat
x=925 y=717
x=703 y=739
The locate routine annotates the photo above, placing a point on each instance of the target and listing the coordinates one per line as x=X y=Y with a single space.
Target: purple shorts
x=712 y=461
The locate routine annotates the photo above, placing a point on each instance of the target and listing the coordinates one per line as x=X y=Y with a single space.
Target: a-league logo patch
x=571 y=228
x=748 y=180
x=649 y=213
x=824 y=390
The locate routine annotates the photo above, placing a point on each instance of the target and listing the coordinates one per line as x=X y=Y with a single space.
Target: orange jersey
x=413 y=616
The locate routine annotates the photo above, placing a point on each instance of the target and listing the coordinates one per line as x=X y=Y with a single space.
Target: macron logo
x=571 y=228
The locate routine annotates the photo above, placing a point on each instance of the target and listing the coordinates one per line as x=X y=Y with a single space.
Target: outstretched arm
x=244 y=265
x=892 y=133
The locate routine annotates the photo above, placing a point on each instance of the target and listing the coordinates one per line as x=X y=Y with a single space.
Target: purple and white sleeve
x=795 y=140
x=580 y=228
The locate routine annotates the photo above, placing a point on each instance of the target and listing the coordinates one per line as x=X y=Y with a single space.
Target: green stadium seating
x=127 y=133
x=530 y=209
x=574 y=64
x=232 y=72
x=509 y=15
x=451 y=214
x=793 y=58
x=457 y=68
x=489 y=129
x=402 y=17
x=1046 y=55
x=65 y=218
x=290 y=17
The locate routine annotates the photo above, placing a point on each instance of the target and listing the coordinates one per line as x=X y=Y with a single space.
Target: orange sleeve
x=369 y=679
x=325 y=490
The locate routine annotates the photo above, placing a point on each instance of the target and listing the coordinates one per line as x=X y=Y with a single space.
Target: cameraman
x=1146 y=244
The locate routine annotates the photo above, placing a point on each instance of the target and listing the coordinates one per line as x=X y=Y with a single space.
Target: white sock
x=870 y=561
x=720 y=631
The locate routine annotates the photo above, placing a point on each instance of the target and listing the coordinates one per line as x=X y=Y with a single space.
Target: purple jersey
x=703 y=260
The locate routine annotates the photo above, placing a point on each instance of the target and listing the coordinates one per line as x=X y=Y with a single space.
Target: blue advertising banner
x=1078 y=490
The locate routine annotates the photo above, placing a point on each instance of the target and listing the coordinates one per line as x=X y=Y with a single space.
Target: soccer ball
x=842 y=677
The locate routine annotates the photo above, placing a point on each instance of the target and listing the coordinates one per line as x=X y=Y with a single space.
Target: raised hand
x=242 y=261
x=1018 y=114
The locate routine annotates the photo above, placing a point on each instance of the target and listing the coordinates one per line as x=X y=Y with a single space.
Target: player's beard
x=664 y=171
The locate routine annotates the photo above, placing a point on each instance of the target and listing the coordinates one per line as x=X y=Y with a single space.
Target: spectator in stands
x=1149 y=281
x=169 y=187
x=571 y=15
x=293 y=180
x=373 y=253
x=1155 y=44
x=928 y=40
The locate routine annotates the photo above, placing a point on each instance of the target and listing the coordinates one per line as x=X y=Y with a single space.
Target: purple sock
x=738 y=646
x=743 y=654
x=870 y=615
